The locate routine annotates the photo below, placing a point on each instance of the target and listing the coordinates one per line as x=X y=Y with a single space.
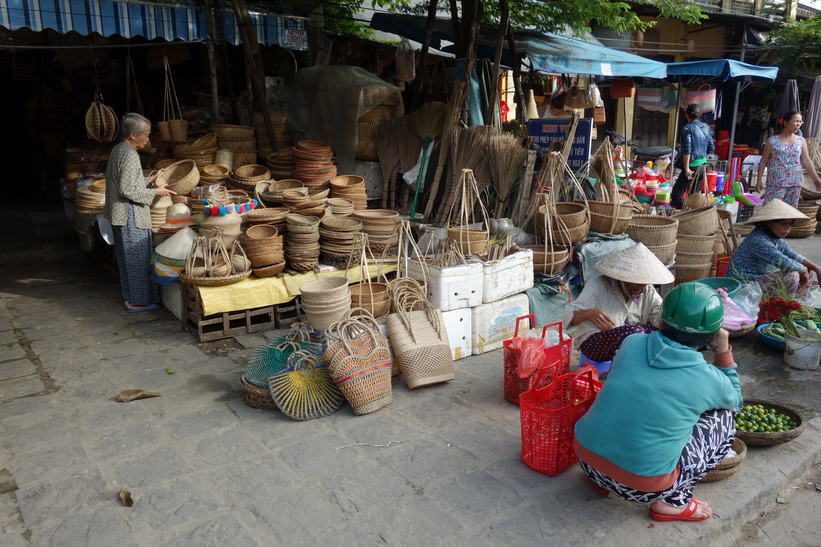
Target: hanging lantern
x=638 y=38
x=691 y=45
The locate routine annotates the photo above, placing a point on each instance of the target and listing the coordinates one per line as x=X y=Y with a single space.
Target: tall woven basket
x=420 y=343
x=653 y=230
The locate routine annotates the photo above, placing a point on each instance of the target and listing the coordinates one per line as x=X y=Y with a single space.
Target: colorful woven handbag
x=704 y=96
x=360 y=364
x=305 y=390
x=649 y=96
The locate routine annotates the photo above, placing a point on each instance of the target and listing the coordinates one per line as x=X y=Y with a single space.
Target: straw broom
x=506 y=157
x=468 y=151
x=428 y=122
x=456 y=101
x=388 y=151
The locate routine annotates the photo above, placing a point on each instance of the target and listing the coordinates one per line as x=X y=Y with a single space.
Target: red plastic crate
x=548 y=416
x=558 y=355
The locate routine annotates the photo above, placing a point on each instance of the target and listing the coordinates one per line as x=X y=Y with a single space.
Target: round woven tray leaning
x=255 y=396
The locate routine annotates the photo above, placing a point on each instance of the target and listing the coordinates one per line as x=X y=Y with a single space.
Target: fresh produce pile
x=777 y=330
x=759 y=419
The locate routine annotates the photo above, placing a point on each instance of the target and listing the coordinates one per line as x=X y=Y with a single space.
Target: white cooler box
x=495 y=322
x=459 y=332
x=511 y=275
x=451 y=288
x=172 y=299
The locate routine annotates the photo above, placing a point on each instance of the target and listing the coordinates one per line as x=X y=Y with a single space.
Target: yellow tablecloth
x=255 y=292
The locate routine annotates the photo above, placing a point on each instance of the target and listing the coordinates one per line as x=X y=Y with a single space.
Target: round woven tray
x=805 y=229
x=214 y=281
x=772 y=439
x=728 y=466
x=255 y=396
x=602 y=214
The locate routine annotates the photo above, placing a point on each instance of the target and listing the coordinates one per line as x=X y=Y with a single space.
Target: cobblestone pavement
x=440 y=465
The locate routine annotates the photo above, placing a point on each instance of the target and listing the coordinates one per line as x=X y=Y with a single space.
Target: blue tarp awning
x=722 y=70
x=179 y=20
x=547 y=52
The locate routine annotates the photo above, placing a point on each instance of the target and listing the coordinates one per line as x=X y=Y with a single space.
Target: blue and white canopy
x=129 y=18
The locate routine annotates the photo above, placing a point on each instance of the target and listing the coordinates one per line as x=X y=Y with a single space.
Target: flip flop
x=686 y=515
x=601 y=491
x=144 y=308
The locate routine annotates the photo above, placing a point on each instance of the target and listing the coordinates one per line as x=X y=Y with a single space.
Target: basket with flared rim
x=180 y=177
x=653 y=230
x=701 y=221
x=572 y=214
x=610 y=218
x=251 y=173
x=549 y=260
x=315 y=146
x=262 y=232
x=808 y=207
x=269 y=271
x=805 y=229
x=685 y=273
x=341 y=224
x=693 y=259
x=343 y=182
x=207 y=141
x=301 y=221
x=695 y=243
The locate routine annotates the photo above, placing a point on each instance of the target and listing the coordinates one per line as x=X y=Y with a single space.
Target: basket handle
x=556 y=324
x=532 y=319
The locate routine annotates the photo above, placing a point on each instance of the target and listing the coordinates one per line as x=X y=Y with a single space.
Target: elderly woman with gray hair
x=127 y=206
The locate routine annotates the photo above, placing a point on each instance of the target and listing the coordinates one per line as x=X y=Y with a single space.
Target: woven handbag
x=305 y=390
x=267 y=360
x=704 y=96
x=649 y=96
x=420 y=345
x=361 y=367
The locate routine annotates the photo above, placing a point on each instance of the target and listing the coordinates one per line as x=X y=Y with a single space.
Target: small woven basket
x=772 y=439
x=255 y=396
x=728 y=466
x=702 y=221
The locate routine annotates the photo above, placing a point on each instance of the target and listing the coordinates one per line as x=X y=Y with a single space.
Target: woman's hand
x=162 y=191
x=721 y=341
x=153 y=176
x=804 y=278
x=759 y=187
x=599 y=318
x=817 y=183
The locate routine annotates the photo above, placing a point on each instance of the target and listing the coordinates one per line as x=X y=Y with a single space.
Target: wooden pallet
x=223 y=325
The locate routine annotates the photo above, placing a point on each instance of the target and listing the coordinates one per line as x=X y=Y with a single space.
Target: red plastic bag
x=530 y=354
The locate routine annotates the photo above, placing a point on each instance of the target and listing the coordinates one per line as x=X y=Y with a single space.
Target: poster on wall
x=545 y=131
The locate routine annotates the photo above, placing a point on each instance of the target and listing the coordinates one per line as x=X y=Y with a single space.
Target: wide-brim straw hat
x=775 y=210
x=635 y=264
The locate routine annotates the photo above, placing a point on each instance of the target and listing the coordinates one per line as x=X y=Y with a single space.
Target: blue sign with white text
x=545 y=131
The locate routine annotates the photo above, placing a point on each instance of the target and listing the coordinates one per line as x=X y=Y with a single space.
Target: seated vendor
x=620 y=302
x=664 y=417
x=765 y=257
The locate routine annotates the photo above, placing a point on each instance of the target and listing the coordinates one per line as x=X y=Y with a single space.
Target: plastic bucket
x=721 y=265
x=720 y=181
x=803 y=353
x=712 y=179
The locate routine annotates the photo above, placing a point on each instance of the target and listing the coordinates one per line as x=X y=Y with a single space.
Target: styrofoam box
x=511 y=275
x=172 y=299
x=494 y=322
x=372 y=173
x=451 y=288
x=459 y=332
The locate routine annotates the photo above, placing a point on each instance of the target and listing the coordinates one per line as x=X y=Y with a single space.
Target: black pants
x=677 y=195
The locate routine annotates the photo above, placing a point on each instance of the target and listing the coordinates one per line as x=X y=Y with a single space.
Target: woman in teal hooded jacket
x=663 y=418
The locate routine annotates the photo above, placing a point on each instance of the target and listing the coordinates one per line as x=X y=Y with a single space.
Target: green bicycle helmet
x=691 y=314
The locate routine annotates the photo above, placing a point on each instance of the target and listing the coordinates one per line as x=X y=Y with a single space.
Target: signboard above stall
x=548 y=130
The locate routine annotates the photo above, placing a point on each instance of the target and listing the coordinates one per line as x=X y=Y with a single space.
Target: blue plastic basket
x=729 y=284
x=774 y=343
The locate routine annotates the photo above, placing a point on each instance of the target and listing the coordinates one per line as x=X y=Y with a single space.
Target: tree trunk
x=416 y=90
x=500 y=42
x=521 y=111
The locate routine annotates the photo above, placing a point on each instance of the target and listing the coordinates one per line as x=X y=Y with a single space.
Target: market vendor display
x=620 y=302
x=127 y=203
x=656 y=446
x=765 y=257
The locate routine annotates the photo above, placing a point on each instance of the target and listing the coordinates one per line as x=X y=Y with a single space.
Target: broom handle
x=420 y=177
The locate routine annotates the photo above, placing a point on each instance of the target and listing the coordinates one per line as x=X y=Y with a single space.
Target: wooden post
x=421 y=65
x=254 y=62
x=497 y=61
x=212 y=60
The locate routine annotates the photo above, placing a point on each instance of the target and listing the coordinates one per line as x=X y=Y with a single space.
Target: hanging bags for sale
x=703 y=96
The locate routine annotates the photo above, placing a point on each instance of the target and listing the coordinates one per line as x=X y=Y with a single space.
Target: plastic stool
x=600 y=367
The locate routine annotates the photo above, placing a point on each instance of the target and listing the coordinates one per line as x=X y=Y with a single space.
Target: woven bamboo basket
x=776 y=437
x=692 y=272
x=180 y=177
x=610 y=218
x=665 y=253
x=229 y=131
x=550 y=262
x=693 y=259
x=269 y=271
x=701 y=221
x=728 y=466
x=808 y=207
x=803 y=228
x=694 y=243
x=255 y=396
x=561 y=237
x=653 y=230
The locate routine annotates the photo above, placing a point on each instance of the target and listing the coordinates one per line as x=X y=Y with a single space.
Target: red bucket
x=721 y=265
x=712 y=178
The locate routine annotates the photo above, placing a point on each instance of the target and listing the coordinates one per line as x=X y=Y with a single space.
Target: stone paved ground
x=440 y=465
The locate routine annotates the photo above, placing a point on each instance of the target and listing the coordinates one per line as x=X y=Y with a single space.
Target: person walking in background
x=785 y=156
x=127 y=206
x=696 y=143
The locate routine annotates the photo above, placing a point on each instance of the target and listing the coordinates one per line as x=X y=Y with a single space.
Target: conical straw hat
x=775 y=210
x=635 y=264
x=177 y=246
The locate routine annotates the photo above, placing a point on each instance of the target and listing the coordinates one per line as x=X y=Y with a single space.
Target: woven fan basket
x=695 y=243
x=602 y=214
x=664 y=253
x=653 y=230
x=702 y=221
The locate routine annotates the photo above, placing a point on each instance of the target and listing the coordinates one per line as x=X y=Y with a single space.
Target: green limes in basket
x=759 y=419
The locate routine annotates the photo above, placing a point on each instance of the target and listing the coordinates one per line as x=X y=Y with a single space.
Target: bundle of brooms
x=468 y=150
x=506 y=155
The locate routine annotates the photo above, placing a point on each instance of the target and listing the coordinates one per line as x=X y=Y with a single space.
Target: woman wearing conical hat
x=620 y=302
x=765 y=257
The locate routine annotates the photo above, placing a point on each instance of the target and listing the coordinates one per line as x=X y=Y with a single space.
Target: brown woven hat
x=635 y=264
x=775 y=210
